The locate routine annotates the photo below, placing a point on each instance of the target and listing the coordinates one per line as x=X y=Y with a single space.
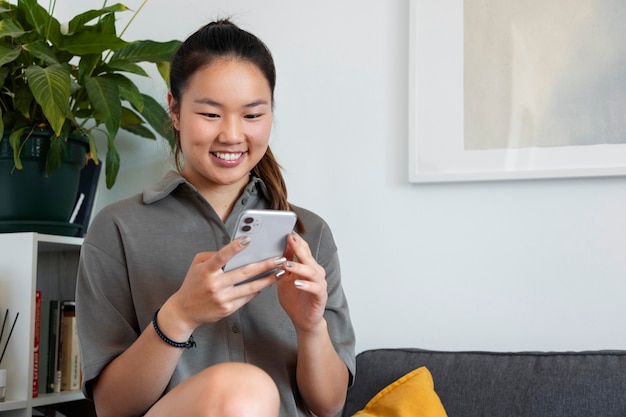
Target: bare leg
x=225 y=390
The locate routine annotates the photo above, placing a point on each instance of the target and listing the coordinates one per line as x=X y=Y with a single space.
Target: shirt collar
x=173 y=180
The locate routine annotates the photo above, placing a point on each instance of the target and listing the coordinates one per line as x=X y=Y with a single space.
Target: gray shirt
x=136 y=254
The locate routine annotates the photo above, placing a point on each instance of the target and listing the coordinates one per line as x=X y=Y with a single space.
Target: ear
x=173 y=108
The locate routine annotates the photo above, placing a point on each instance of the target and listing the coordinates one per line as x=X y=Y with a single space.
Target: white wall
x=527 y=265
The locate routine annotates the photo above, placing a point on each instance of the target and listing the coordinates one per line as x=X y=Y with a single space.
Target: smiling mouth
x=228 y=156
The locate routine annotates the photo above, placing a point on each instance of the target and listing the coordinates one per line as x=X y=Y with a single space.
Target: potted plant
x=65 y=82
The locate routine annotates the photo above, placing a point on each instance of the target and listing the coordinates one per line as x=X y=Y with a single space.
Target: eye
x=211 y=115
x=253 y=116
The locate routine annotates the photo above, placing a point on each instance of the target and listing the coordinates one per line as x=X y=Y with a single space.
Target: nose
x=232 y=131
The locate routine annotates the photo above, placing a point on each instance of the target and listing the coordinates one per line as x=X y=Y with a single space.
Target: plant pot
x=31 y=201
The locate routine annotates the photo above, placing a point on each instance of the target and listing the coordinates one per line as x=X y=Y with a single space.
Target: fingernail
x=280 y=273
x=280 y=260
x=298 y=283
x=245 y=241
x=289 y=265
x=293 y=236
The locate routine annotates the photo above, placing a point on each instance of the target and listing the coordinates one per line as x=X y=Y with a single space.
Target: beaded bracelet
x=188 y=344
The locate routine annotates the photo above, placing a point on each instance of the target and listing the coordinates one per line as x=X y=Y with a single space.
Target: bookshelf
x=29 y=262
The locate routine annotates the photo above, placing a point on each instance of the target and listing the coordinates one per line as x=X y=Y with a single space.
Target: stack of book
x=56 y=355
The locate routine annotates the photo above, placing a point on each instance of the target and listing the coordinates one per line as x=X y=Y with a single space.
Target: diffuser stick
x=4 y=322
x=9 y=337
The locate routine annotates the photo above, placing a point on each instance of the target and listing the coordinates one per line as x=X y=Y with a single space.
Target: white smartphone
x=268 y=231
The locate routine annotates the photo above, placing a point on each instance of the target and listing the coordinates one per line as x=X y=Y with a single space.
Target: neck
x=222 y=202
x=222 y=197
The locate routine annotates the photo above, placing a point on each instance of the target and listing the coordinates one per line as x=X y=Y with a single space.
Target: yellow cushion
x=412 y=395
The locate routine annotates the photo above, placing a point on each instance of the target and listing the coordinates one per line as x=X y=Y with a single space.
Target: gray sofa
x=491 y=384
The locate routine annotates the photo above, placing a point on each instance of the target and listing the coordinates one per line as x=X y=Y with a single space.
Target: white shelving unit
x=31 y=261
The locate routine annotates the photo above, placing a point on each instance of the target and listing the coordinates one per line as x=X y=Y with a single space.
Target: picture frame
x=436 y=115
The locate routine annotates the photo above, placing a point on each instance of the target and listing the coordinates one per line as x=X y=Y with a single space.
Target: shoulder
x=118 y=210
x=150 y=207
x=317 y=232
x=109 y=221
x=312 y=221
x=308 y=217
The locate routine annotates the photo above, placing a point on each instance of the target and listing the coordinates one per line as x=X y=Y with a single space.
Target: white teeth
x=228 y=156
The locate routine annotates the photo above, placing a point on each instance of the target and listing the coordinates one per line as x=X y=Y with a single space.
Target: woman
x=163 y=329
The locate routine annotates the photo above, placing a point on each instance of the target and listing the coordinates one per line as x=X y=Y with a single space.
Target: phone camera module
x=249 y=224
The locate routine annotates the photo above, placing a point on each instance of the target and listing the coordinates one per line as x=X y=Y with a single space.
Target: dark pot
x=30 y=201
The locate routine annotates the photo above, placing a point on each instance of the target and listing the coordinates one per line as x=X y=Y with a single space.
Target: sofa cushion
x=520 y=384
x=411 y=395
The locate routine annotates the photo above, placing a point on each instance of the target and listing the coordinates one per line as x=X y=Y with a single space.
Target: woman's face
x=224 y=119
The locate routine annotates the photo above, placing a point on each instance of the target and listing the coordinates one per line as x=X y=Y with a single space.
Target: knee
x=241 y=390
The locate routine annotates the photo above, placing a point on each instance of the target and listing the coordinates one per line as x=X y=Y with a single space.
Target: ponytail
x=269 y=171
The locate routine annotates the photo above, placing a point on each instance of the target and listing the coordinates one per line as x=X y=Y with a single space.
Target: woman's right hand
x=209 y=294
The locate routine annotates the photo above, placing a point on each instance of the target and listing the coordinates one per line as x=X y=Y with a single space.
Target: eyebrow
x=210 y=102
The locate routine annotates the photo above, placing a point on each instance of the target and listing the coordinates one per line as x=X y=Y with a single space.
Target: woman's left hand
x=302 y=289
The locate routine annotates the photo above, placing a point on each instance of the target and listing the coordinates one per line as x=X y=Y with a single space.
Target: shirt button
x=236 y=328
x=244 y=201
x=225 y=240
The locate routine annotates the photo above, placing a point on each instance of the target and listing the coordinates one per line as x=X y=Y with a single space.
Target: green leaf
x=41 y=50
x=54 y=158
x=147 y=51
x=164 y=70
x=11 y=29
x=13 y=120
x=5 y=7
x=156 y=116
x=107 y=25
x=129 y=117
x=9 y=54
x=4 y=72
x=105 y=98
x=44 y=24
x=112 y=166
x=15 y=140
x=126 y=66
x=51 y=88
x=87 y=65
x=140 y=130
x=128 y=90
x=93 y=149
x=80 y=20
x=23 y=99
x=133 y=123
x=85 y=43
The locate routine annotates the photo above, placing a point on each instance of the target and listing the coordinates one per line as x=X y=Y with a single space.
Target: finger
x=254 y=287
x=306 y=286
x=289 y=248
x=223 y=255
x=300 y=248
x=312 y=272
x=202 y=257
x=262 y=269
x=310 y=287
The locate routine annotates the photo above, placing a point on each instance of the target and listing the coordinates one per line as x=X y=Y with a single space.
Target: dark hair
x=218 y=40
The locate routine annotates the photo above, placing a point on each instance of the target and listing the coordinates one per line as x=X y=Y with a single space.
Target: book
x=36 y=343
x=70 y=353
x=53 y=346
x=44 y=332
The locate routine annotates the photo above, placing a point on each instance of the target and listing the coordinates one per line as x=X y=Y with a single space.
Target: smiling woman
x=226 y=113
x=291 y=328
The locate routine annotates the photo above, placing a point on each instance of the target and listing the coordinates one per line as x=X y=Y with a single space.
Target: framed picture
x=516 y=90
